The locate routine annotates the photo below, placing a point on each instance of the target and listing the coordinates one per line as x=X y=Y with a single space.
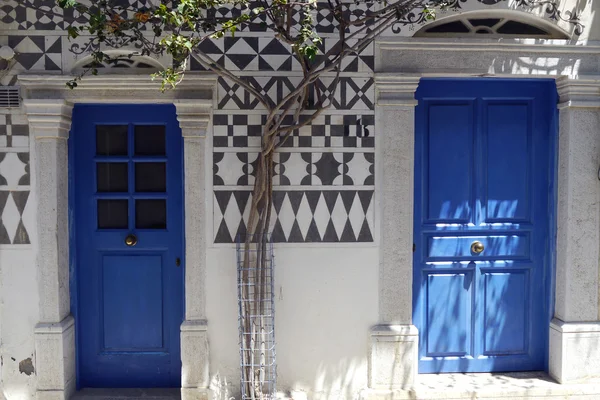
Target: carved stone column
x=194 y=117
x=394 y=341
x=50 y=122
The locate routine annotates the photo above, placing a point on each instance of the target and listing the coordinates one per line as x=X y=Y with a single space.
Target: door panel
x=450 y=161
x=449 y=310
x=128 y=212
x=510 y=330
x=482 y=201
x=507 y=160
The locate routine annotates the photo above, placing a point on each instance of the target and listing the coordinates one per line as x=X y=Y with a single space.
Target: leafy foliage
x=177 y=28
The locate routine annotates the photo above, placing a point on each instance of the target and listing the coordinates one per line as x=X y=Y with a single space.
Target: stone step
x=128 y=394
x=497 y=386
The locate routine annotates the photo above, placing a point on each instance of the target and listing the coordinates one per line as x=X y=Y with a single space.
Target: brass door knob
x=477 y=247
x=131 y=240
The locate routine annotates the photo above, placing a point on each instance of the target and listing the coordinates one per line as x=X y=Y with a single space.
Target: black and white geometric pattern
x=337 y=130
x=300 y=216
x=14 y=170
x=43 y=15
x=13 y=205
x=46 y=15
x=14 y=131
x=291 y=169
x=15 y=178
x=37 y=52
x=351 y=93
x=244 y=53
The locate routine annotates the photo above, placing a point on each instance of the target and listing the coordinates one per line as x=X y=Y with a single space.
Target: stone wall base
x=574 y=350
x=55 y=359
x=194 y=359
x=196 y=394
x=393 y=358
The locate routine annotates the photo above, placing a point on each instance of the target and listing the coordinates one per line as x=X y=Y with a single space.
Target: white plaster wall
x=326 y=301
x=18 y=316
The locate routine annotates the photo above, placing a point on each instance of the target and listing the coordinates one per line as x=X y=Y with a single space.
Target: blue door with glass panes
x=126 y=182
x=482 y=223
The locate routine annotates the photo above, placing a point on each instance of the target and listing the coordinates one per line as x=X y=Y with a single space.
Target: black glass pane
x=151 y=214
x=518 y=28
x=111 y=177
x=112 y=214
x=150 y=140
x=483 y=31
x=450 y=27
x=150 y=177
x=111 y=140
x=484 y=22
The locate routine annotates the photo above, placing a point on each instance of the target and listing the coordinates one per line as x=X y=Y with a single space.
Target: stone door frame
x=401 y=63
x=48 y=104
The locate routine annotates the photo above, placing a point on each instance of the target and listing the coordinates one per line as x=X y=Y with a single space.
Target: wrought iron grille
x=256 y=316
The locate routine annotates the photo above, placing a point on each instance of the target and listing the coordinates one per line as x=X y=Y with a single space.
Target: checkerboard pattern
x=348 y=131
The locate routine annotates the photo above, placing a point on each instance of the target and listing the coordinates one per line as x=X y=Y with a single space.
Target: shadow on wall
x=331 y=382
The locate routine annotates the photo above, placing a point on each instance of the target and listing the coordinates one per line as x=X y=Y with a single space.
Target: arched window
x=492 y=23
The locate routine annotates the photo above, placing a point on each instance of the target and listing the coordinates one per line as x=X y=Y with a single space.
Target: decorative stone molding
x=393 y=90
x=117 y=88
x=193 y=117
x=49 y=118
x=426 y=57
x=583 y=92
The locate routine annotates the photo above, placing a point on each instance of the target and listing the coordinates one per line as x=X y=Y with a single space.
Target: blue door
x=483 y=163
x=127 y=188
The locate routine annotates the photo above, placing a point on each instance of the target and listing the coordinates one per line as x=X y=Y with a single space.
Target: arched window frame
x=473 y=27
x=121 y=62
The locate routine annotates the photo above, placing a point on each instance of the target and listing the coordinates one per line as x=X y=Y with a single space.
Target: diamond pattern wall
x=300 y=216
x=15 y=181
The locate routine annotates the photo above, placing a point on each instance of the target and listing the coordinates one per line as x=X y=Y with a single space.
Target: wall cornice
x=117 y=88
x=525 y=46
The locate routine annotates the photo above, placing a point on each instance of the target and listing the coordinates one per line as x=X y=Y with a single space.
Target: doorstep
x=128 y=394
x=516 y=386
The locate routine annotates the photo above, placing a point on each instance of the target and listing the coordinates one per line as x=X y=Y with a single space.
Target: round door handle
x=131 y=240
x=477 y=247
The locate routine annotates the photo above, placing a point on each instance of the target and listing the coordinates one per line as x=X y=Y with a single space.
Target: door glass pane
x=150 y=140
x=151 y=214
x=111 y=140
x=111 y=177
x=112 y=214
x=150 y=177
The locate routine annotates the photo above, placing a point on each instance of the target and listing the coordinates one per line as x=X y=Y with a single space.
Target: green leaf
x=67 y=3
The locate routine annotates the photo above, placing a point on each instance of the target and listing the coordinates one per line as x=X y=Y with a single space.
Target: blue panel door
x=483 y=164
x=127 y=187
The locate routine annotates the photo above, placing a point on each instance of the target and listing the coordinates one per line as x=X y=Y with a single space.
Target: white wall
x=18 y=316
x=326 y=301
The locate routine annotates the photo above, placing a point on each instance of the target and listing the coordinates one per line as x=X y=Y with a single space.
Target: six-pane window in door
x=131 y=176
